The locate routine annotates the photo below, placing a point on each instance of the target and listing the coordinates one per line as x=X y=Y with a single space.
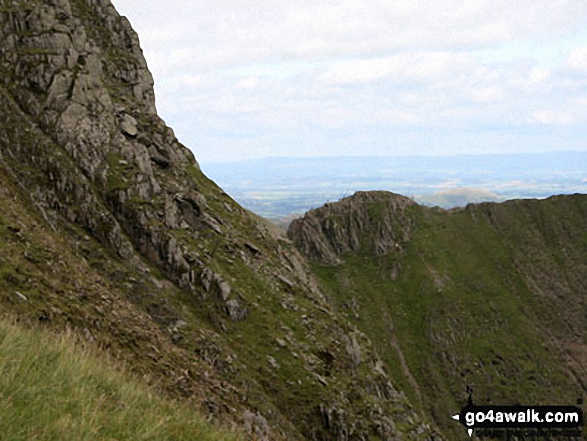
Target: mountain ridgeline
x=491 y=296
x=110 y=228
x=367 y=324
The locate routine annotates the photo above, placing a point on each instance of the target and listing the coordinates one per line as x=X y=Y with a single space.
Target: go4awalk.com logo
x=521 y=421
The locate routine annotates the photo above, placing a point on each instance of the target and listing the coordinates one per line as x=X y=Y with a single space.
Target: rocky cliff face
x=75 y=73
x=372 y=222
x=491 y=296
x=109 y=227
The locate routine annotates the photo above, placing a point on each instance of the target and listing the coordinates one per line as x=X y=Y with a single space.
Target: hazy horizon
x=280 y=186
x=438 y=155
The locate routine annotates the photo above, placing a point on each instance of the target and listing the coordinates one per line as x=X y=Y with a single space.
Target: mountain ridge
x=111 y=229
x=490 y=295
x=275 y=188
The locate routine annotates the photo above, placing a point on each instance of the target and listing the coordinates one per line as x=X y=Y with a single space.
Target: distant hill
x=277 y=187
x=458 y=197
x=285 y=221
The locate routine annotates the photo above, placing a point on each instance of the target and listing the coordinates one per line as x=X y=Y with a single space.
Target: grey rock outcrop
x=79 y=73
x=367 y=221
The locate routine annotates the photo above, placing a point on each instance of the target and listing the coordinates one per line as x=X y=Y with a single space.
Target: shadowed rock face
x=121 y=237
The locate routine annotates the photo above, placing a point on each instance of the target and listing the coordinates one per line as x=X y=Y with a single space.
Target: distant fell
x=278 y=187
x=457 y=197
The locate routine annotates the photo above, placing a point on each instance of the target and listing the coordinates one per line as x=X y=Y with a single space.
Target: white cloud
x=188 y=81
x=230 y=32
x=581 y=101
x=487 y=94
x=405 y=67
x=549 y=117
x=538 y=75
x=271 y=77
x=248 y=83
x=577 y=60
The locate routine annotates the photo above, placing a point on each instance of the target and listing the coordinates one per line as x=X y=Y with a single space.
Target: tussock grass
x=52 y=389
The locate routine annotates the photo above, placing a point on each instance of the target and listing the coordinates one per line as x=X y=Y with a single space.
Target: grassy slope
x=187 y=345
x=52 y=389
x=78 y=284
x=469 y=306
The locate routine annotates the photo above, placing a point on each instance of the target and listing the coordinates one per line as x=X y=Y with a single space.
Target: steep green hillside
x=52 y=389
x=109 y=228
x=491 y=296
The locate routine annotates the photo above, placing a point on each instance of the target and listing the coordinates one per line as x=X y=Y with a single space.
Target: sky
x=247 y=79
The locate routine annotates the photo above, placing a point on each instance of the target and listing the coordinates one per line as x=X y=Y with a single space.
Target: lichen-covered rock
x=128 y=125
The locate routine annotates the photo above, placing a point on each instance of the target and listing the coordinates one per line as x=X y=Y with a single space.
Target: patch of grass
x=36 y=51
x=118 y=172
x=376 y=211
x=52 y=389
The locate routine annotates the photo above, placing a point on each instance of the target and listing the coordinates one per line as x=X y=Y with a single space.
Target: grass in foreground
x=51 y=389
